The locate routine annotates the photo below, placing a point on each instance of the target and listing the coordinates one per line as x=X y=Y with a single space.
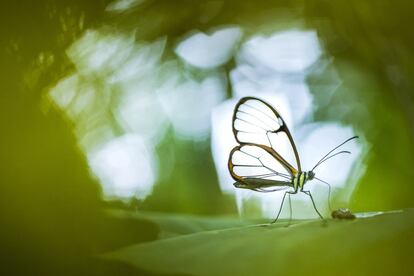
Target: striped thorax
x=300 y=179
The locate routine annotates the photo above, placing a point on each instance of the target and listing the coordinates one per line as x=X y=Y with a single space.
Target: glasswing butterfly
x=266 y=159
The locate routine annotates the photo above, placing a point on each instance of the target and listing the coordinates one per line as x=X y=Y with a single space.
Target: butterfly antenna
x=326 y=159
x=329 y=192
x=340 y=145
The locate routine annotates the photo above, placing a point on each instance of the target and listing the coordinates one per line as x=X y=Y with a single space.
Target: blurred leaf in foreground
x=376 y=245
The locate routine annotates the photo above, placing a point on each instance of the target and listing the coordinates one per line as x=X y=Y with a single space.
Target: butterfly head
x=310 y=175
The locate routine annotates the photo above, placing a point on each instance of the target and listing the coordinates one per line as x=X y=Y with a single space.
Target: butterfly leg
x=290 y=211
x=281 y=205
x=313 y=202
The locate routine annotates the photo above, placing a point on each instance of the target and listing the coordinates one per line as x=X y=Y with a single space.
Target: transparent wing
x=257 y=122
x=254 y=167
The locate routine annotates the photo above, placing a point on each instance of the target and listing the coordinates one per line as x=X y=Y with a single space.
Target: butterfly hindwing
x=257 y=169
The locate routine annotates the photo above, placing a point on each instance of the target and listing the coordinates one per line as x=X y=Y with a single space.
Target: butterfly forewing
x=256 y=117
x=256 y=122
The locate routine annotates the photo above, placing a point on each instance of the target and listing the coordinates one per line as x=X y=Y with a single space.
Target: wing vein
x=256 y=118
x=270 y=169
x=250 y=123
x=261 y=111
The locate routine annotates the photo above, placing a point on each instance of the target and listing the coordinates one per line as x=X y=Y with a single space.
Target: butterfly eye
x=311 y=175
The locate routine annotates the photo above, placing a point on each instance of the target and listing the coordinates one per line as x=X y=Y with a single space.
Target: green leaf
x=381 y=244
x=178 y=224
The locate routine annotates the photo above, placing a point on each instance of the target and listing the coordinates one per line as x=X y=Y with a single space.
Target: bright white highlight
x=96 y=53
x=188 y=104
x=284 y=52
x=125 y=166
x=209 y=51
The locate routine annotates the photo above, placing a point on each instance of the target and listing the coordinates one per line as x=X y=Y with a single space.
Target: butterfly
x=266 y=159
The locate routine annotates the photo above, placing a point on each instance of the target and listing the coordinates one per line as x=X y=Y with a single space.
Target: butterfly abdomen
x=262 y=185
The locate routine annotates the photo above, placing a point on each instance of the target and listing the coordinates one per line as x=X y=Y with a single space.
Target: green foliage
x=365 y=246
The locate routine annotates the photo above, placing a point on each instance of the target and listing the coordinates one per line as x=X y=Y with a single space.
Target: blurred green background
x=54 y=215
